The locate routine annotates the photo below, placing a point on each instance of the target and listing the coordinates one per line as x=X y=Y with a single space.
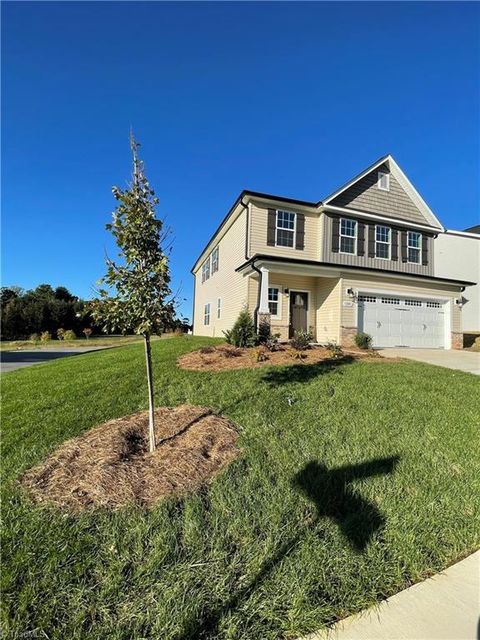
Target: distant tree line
x=47 y=309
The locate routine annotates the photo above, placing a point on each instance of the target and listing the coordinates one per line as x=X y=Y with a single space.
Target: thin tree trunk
x=151 y=415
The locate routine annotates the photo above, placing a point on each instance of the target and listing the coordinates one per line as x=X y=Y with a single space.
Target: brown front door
x=298 y=311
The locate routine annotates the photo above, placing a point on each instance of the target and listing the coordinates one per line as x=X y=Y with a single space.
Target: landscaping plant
x=137 y=296
x=61 y=333
x=301 y=340
x=363 y=340
x=69 y=335
x=242 y=334
x=87 y=332
x=45 y=337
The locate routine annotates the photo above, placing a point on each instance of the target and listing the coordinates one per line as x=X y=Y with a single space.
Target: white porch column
x=264 y=308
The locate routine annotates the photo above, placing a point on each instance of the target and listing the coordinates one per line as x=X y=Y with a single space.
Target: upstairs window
x=206 y=315
x=214 y=260
x=383 y=181
x=414 y=244
x=383 y=242
x=273 y=300
x=285 y=231
x=348 y=236
x=206 y=269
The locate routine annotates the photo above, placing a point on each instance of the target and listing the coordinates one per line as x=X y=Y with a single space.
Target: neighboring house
x=360 y=260
x=457 y=255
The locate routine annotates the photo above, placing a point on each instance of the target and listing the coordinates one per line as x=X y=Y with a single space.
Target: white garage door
x=402 y=322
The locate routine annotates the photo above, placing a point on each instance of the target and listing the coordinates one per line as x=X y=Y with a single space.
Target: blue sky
x=286 y=98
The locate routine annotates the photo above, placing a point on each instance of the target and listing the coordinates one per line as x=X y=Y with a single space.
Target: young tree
x=138 y=297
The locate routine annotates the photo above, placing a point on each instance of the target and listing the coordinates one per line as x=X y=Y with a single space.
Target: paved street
x=11 y=360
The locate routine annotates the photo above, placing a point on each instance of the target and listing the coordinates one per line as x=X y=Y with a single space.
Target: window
x=383 y=240
x=214 y=260
x=285 y=229
x=413 y=303
x=367 y=298
x=273 y=301
x=383 y=181
x=433 y=305
x=414 y=240
x=390 y=301
x=348 y=236
x=206 y=269
x=219 y=307
x=206 y=315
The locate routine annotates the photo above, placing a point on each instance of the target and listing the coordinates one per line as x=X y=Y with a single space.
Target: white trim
x=402 y=180
x=355 y=237
x=389 y=243
x=294 y=230
x=290 y=306
x=462 y=234
x=419 y=249
x=380 y=176
x=374 y=216
x=279 y=288
x=263 y=306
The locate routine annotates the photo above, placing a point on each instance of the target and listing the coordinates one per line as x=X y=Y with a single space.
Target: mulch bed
x=110 y=465
x=226 y=357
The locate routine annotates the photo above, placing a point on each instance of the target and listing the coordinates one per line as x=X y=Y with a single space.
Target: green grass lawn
x=366 y=481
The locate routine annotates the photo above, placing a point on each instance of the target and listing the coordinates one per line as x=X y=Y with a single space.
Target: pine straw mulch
x=225 y=357
x=110 y=465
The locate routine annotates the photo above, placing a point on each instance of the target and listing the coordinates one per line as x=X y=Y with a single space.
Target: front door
x=298 y=311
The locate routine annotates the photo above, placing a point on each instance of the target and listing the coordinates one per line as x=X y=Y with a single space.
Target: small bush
x=242 y=334
x=301 y=340
x=69 y=335
x=87 y=332
x=205 y=350
x=259 y=354
x=229 y=352
x=61 y=333
x=264 y=331
x=45 y=337
x=334 y=350
x=363 y=340
x=35 y=337
x=297 y=354
x=272 y=343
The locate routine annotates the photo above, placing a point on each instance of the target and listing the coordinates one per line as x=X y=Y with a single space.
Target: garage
x=402 y=322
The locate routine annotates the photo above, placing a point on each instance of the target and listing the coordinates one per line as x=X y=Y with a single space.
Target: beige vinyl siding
x=374 y=263
x=286 y=281
x=328 y=309
x=363 y=283
x=258 y=235
x=365 y=195
x=226 y=283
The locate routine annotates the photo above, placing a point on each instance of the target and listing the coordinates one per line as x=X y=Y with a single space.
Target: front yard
x=354 y=481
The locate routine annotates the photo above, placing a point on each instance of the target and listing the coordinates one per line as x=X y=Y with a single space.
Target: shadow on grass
x=303 y=372
x=357 y=518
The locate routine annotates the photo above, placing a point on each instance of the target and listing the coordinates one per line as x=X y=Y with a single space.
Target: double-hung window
x=285 y=231
x=383 y=242
x=206 y=314
x=214 y=260
x=274 y=301
x=414 y=247
x=206 y=269
x=348 y=236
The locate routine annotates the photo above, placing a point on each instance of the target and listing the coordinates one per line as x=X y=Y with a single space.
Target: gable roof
x=403 y=181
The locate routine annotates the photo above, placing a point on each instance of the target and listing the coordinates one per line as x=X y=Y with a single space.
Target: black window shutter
x=394 y=233
x=335 y=235
x=271 y=227
x=424 y=250
x=371 y=240
x=361 y=239
x=404 y=246
x=300 y=240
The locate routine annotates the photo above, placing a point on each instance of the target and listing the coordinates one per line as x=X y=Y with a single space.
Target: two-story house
x=362 y=259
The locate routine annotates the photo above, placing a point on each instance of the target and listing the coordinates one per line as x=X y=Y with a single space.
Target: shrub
x=60 y=333
x=242 y=334
x=259 y=354
x=35 y=337
x=45 y=337
x=301 y=340
x=204 y=350
x=87 y=332
x=69 y=335
x=272 y=343
x=229 y=352
x=297 y=354
x=264 y=332
x=363 y=340
x=334 y=350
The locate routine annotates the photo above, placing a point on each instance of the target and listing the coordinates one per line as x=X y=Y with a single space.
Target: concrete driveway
x=452 y=359
x=11 y=360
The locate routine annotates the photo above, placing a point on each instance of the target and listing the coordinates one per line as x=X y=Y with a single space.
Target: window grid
x=383 y=242
x=285 y=232
x=414 y=239
x=206 y=314
x=367 y=298
x=433 y=305
x=215 y=260
x=391 y=300
x=348 y=236
x=273 y=298
x=413 y=303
